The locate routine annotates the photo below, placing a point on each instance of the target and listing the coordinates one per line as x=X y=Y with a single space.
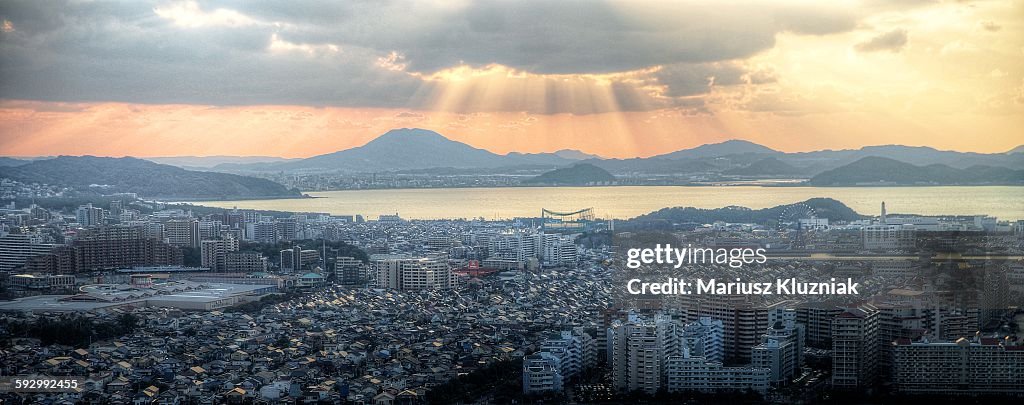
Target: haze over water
x=1006 y=203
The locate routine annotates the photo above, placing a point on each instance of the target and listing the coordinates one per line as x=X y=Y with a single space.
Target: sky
x=614 y=78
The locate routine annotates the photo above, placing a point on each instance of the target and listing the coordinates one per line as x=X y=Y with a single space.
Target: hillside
x=581 y=174
x=102 y=175
x=769 y=166
x=885 y=171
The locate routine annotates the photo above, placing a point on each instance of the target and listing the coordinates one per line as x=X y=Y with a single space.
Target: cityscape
x=420 y=202
x=163 y=303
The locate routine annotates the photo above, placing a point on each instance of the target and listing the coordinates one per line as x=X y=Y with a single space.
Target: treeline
x=502 y=381
x=667 y=218
x=273 y=250
x=68 y=330
x=253 y=307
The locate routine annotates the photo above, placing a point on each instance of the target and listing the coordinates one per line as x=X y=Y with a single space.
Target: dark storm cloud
x=328 y=52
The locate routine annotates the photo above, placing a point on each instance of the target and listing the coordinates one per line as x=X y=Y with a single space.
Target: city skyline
x=187 y=79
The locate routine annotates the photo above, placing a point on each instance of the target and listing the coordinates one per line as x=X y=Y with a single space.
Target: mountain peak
x=729 y=147
x=407 y=134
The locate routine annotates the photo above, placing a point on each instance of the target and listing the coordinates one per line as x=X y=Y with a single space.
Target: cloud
x=990 y=26
x=893 y=41
x=589 y=56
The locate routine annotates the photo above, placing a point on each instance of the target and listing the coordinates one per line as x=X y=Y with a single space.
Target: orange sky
x=949 y=75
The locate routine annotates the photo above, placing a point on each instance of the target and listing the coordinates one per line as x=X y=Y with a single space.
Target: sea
x=624 y=202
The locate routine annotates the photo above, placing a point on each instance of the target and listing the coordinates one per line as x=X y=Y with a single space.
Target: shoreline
x=624 y=202
x=689 y=185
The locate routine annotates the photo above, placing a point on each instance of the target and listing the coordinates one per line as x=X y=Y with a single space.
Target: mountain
x=187 y=162
x=822 y=160
x=1019 y=149
x=581 y=174
x=407 y=149
x=769 y=166
x=653 y=165
x=556 y=158
x=415 y=150
x=885 y=171
x=574 y=154
x=9 y=161
x=105 y=175
x=731 y=147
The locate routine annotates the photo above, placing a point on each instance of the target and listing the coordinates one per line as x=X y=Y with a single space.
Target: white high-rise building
x=688 y=373
x=560 y=250
x=411 y=274
x=855 y=350
x=569 y=353
x=890 y=237
x=781 y=348
x=16 y=249
x=973 y=367
x=703 y=338
x=213 y=253
x=87 y=215
x=636 y=352
x=541 y=373
x=182 y=232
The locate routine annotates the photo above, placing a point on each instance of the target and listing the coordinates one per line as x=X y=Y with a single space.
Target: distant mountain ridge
x=880 y=170
x=414 y=150
x=106 y=175
x=9 y=162
x=212 y=161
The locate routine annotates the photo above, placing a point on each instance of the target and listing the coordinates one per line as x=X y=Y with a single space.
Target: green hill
x=577 y=175
x=823 y=208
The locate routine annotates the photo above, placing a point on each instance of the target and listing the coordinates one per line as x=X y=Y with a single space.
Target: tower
x=883 y=214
